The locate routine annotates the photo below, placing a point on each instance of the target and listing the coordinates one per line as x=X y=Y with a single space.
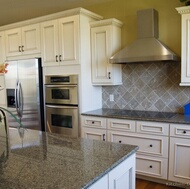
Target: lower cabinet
x=96 y=134
x=164 y=149
x=179 y=164
x=122 y=176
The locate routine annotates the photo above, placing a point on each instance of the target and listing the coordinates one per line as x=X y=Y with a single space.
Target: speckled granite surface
x=141 y=115
x=40 y=160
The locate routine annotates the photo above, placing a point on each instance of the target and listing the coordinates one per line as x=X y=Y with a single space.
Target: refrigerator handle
x=20 y=100
x=16 y=98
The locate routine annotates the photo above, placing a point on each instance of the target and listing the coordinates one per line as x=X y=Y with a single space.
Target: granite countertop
x=43 y=160
x=169 y=117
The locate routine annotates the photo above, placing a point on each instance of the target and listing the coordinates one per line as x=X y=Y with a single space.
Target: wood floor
x=143 y=184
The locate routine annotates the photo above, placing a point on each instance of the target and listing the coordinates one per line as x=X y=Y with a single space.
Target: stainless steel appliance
x=61 y=99
x=24 y=89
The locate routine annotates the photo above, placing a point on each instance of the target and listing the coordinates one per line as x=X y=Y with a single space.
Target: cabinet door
x=123 y=176
x=91 y=133
x=31 y=39
x=101 y=52
x=2 y=90
x=179 y=164
x=13 y=42
x=69 y=40
x=185 y=59
x=2 y=47
x=49 y=41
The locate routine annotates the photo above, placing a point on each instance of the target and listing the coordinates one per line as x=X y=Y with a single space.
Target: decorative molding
x=183 y=10
x=62 y=14
x=110 y=21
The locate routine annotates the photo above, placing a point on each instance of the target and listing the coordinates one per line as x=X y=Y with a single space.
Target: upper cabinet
x=60 y=41
x=23 y=41
x=185 y=45
x=105 y=42
x=2 y=48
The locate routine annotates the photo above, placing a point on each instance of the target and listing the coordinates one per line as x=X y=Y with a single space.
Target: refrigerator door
x=27 y=95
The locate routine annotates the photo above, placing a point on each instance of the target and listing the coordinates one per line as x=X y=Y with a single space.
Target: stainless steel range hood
x=147 y=47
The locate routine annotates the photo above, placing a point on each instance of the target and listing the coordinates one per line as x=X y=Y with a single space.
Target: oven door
x=61 y=94
x=62 y=120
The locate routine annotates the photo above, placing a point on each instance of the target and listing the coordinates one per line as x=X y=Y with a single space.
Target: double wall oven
x=61 y=101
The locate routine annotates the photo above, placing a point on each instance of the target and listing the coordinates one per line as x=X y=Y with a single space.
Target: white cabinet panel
x=23 y=41
x=96 y=134
x=105 y=41
x=60 y=41
x=152 y=166
x=179 y=164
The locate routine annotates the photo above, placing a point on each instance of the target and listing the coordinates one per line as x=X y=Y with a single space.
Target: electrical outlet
x=111 y=98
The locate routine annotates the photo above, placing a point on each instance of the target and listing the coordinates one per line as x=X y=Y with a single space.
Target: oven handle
x=58 y=86
x=68 y=107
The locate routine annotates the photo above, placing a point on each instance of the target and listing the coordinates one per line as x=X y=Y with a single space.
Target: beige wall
x=125 y=10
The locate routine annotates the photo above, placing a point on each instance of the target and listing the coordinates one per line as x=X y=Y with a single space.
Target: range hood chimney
x=147 y=48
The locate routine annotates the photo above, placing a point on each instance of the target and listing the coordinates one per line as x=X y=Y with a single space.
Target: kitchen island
x=35 y=159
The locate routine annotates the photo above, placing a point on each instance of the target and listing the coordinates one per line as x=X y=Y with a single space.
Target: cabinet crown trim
x=183 y=10
x=111 y=21
x=66 y=13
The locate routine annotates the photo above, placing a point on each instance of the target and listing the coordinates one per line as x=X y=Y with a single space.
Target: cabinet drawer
x=148 y=145
x=151 y=166
x=94 y=134
x=180 y=130
x=119 y=124
x=153 y=128
x=97 y=122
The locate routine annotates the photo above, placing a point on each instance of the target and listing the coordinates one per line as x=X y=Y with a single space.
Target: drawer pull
x=120 y=141
x=104 y=137
x=92 y=122
x=151 y=145
x=151 y=166
x=184 y=132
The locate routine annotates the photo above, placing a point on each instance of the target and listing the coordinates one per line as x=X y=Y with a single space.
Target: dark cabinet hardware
x=151 y=145
x=56 y=58
x=104 y=137
x=22 y=48
x=19 y=49
x=92 y=122
x=59 y=58
x=150 y=166
x=120 y=141
x=184 y=132
x=109 y=75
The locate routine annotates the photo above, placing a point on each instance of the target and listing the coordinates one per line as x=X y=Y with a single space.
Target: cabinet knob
x=150 y=166
x=120 y=141
x=184 y=132
x=151 y=145
x=92 y=122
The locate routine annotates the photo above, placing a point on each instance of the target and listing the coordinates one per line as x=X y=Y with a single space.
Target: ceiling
x=18 y=10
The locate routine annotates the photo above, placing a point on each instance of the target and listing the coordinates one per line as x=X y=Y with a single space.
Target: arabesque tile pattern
x=149 y=87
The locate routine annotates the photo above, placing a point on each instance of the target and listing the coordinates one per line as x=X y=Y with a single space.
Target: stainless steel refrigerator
x=24 y=89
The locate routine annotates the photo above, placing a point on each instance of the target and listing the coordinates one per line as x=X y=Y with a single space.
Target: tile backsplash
x=149 y=87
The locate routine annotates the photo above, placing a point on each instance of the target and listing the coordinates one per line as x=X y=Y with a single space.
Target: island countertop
x=43 y=160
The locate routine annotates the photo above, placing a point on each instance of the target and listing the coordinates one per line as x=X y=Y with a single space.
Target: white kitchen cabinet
x=185 y=45
x=60 y=41
x=2 y=90
x=105 y=42
x=23 y=41
x=151 y=137
x=93 y=128
x=2 y=48
x=95 y=134
x=122 y=176
x=179 y=164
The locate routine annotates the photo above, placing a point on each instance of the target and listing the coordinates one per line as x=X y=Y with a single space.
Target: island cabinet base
x=122 y=176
